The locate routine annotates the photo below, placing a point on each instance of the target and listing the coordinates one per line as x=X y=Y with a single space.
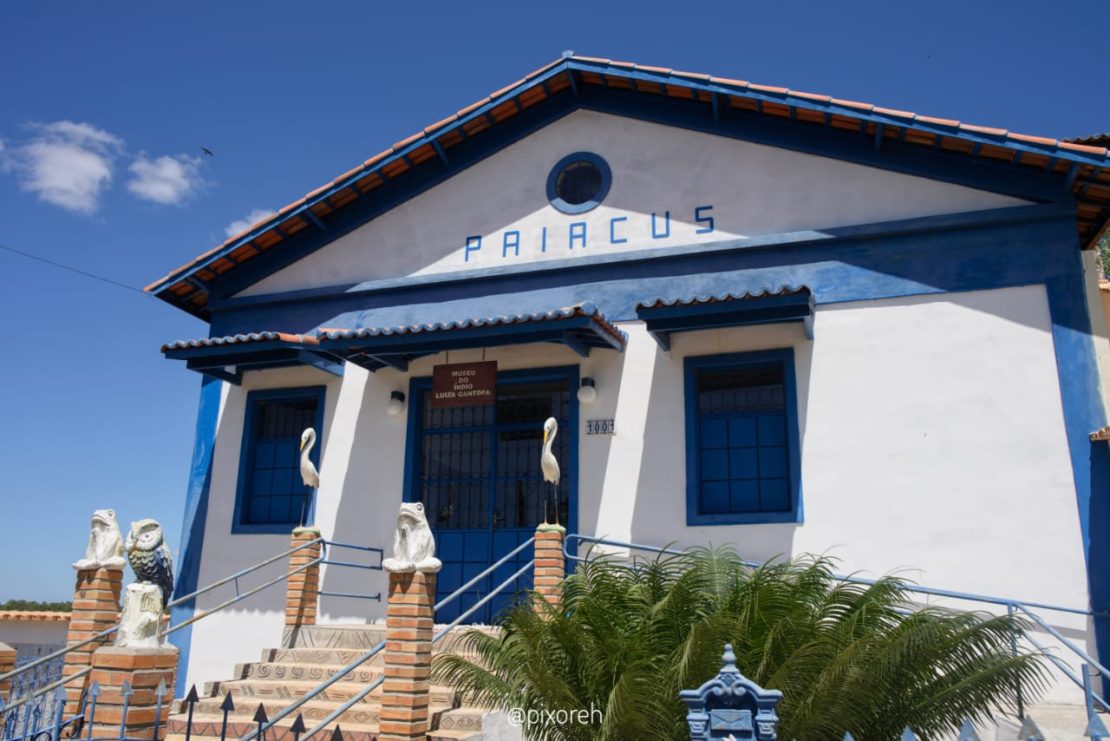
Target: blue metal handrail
x=1004 y=601
x=327 y=561
x=1010 y=604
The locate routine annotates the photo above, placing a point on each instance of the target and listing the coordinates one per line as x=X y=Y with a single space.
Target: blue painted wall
x=196 y=513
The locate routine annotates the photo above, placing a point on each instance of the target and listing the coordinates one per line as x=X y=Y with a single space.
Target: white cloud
x=168 y=180
x=241 y=225
x=67 y=164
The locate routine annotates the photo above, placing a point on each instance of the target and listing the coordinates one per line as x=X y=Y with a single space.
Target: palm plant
x=847 y=656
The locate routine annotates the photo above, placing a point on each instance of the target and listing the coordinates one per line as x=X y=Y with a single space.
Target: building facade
x=769 y=319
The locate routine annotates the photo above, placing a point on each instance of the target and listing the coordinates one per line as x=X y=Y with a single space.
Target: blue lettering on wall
x=612 y=230
x=577 y=231
x=666 y=225
x=473 y=244
x=707 y=220
x=619 y=226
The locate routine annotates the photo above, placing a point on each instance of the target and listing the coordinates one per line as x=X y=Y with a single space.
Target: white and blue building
x=810 y=326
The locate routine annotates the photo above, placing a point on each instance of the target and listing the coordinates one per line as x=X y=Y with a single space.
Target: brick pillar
x=550 y=568
x=143 y=669
x=409 y=617
x=301 y=591
x=95 y=608
x=7 y=663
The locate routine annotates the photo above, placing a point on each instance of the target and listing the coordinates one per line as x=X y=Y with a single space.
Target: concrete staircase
x=286 y=674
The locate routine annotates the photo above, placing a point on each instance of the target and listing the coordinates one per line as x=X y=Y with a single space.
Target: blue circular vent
x=578 y=182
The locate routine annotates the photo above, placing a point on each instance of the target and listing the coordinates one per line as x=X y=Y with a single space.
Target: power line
x=72 y=269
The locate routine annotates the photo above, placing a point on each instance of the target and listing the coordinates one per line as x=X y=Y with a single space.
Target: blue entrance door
x=477 y=471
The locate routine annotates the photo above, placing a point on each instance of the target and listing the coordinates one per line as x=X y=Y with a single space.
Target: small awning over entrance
x=664 y=317
x=580 y=327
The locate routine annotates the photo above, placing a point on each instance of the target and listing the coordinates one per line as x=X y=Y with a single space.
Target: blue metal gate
x=477 y=471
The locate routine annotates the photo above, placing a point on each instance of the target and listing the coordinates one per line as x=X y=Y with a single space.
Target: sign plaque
x=464 y=384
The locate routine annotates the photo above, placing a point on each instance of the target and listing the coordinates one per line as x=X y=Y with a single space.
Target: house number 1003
x=600 y=427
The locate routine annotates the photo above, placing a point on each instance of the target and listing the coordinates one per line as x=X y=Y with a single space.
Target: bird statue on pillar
x=309 y=475
x=150 y=557
x=550 y=465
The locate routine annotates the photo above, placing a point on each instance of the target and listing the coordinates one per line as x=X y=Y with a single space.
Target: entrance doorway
x=477 y=471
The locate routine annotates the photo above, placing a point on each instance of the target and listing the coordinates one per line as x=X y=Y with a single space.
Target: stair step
x=209 y=726
x=340 y=636
x=251 y=691
x=337 y=657
x=306 y=672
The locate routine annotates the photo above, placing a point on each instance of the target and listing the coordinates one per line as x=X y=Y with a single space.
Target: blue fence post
x=729 y=704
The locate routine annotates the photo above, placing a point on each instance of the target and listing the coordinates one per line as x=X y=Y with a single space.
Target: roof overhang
x=666 y=317
x=581 y=328
x=424 y=159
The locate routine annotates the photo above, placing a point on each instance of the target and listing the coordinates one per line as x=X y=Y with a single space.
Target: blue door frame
x=469 y=539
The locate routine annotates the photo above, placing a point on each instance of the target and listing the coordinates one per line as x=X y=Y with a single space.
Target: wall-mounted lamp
x=587 y=392
x=396 y=403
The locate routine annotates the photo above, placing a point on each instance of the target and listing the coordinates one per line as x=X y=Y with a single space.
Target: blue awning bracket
x=787 y=304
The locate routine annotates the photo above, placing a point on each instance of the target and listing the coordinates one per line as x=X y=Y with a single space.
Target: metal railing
x=371 y=686
x=1012 y=606
x=232 y=578
x=328 y=561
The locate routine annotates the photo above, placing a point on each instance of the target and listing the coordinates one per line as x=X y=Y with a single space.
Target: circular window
x=578 y=182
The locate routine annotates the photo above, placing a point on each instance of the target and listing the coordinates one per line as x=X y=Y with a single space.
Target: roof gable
x=852 y=130
x=670 y=189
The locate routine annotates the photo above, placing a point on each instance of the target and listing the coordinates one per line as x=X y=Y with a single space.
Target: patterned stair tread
x=339 y=636
x=305 y=672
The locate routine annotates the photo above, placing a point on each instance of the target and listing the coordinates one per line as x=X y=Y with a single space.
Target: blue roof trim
x=664 y=317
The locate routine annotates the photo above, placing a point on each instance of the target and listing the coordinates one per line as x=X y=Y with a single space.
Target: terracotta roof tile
x=950 y=122
x=1034 y=139
x=988 y=130
x=1083 y=148
x=893 y=112
x=852 y=104
x=39 y=616
x=769 y=89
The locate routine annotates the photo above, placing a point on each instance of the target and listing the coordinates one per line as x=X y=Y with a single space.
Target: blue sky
x=105 y=106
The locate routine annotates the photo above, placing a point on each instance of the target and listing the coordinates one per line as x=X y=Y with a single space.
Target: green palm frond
x=847 y=656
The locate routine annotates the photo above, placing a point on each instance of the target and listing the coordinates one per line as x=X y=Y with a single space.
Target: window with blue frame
x=271 y=496
x=742 y=439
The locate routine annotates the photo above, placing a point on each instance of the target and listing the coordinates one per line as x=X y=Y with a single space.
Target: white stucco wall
x=932 y=445
x=26 y=635
x=754 y=190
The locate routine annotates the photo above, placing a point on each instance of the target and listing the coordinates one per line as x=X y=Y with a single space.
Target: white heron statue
x=309 y=475
x=550 y=465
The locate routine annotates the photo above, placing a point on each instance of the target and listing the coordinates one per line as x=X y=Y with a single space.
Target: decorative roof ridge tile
x=784 y=290
x=244 y=338
x=585 y=309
